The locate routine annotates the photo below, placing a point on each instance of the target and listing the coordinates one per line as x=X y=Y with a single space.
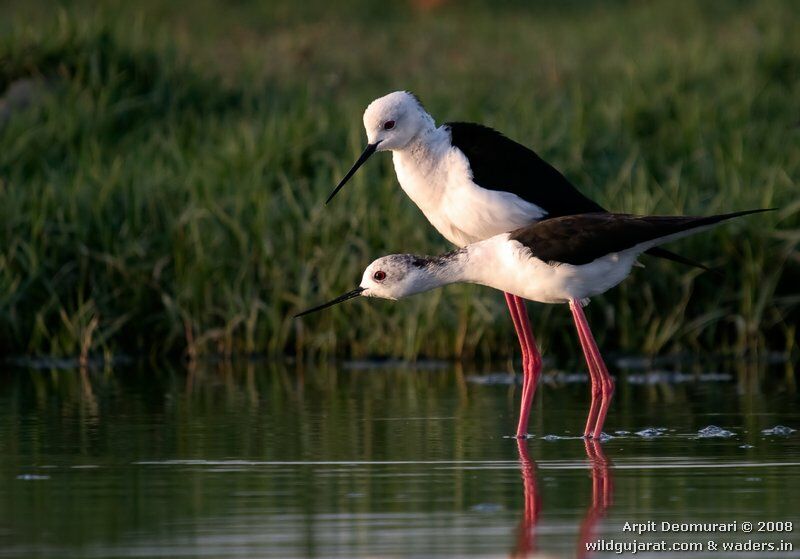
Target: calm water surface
x=361 y=460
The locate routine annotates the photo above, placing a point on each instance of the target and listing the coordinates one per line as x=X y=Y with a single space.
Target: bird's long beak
x=370 y=149
x=349 y=295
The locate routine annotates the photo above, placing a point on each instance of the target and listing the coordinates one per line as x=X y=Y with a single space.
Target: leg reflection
x=602 y=494
x=526 y=535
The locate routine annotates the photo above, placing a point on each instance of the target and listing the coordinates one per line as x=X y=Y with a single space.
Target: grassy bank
x=161 y=188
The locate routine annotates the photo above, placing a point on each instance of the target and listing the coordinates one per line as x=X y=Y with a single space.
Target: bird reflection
x=601 y=501
x=526 y=534
x=602 y=494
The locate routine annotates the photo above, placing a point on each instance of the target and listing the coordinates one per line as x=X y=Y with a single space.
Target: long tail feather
x=684 y=226
x=659 y=252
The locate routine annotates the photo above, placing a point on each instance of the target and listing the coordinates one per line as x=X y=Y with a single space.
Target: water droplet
x=713 y=432
x=780 y=430
x=651 y=432
x=32 y=477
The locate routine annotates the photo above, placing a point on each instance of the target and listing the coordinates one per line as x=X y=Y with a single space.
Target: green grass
x=163 y=191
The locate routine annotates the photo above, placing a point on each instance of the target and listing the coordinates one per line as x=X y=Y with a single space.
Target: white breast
x=439 y=182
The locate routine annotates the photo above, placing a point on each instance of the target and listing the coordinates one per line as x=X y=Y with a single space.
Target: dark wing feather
x=581 y=239
x=499 y=163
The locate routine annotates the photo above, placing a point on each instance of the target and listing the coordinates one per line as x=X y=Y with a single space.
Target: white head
x=393 y=120
x=396 y=276
x=400 y=275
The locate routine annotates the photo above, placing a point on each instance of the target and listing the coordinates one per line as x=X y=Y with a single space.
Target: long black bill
x=370 y=149
x=349 y=295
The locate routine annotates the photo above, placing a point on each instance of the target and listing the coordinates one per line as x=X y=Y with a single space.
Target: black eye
x=388 y=125
x=380 y=275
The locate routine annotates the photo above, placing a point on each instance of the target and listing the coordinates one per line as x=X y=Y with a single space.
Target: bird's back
x=581 y=239
x=499 y=163
x=579 y=256
x=472 y=183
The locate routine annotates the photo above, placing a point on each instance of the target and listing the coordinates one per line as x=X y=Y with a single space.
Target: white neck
x=424 y=148
x=421 y=174
x=458 y=266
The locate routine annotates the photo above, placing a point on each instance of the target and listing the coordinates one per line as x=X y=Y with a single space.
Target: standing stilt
x=560 y=259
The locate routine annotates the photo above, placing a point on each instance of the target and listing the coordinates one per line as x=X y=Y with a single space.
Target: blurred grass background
x=163 y=167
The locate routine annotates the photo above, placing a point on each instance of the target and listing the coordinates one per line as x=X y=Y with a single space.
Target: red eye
x=380 y=275
x=388 y=125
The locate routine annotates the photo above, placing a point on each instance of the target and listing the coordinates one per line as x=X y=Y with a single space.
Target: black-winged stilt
x=472 y=183
x=561 y=260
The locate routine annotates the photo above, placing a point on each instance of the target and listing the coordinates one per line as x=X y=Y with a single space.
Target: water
x=266 y=460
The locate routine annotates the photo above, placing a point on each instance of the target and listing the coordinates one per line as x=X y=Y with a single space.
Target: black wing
x=499 y=163
x=581 y=239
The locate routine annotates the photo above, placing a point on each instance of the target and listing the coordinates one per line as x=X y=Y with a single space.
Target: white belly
x=459 y=209
x=507 y=266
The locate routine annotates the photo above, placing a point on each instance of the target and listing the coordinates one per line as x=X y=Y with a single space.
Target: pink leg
x=531 y=359
x=607 y=383
x=600 y=376
x=523 y=344
x=513 y=308
x=515 y=318
x=532 y=370
x=596 y=385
